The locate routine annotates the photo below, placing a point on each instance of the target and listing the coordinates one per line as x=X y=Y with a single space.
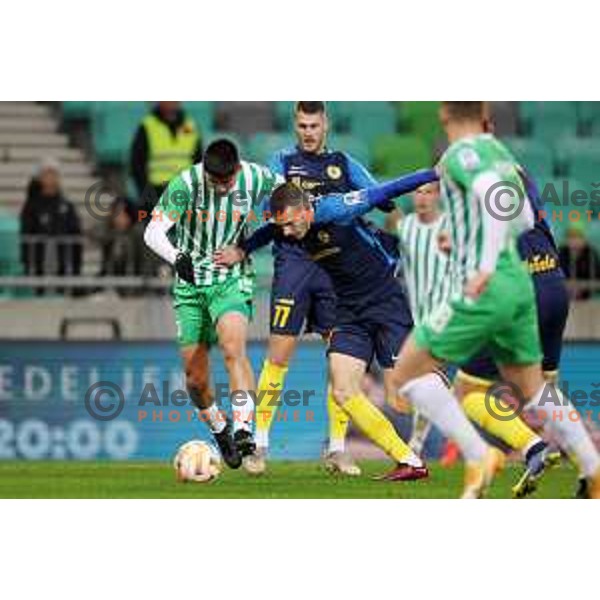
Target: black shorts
x=302 y=297
x=375 y=328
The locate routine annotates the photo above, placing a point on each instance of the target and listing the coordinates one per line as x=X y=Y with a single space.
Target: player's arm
x=174 y=199
x=231 y=255
x=268 y=178
x=271 y=178
x=361 y=179
x=344 y=208
x=490 y=190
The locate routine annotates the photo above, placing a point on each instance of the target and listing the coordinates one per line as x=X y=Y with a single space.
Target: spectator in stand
x=50 y=226
x=167 y=142
x=579 y=260
x=121 y=239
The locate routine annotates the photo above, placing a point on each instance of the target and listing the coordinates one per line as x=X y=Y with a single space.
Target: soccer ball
x=197 y=462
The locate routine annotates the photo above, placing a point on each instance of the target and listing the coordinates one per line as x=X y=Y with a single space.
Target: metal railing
x=85 y=264
x=77 y=264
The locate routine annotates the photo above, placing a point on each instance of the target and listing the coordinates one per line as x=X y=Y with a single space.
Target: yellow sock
x=373 y=423
x=272 y=379
x=513 y=432
x=338 y=424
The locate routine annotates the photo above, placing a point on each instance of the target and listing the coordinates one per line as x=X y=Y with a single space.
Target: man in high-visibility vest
x=166 y=143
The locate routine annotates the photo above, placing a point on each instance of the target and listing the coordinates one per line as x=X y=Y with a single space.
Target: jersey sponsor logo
x=469 y=159
x=307 y=185
x=334 y=172
x=353 y=198
x=542 y=264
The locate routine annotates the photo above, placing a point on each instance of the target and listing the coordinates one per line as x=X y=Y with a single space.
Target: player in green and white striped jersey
x=424 y=270
x=491 y=301
x=425 y=266
x=204 y=209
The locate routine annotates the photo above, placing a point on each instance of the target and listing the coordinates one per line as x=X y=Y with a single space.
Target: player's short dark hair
x=311 y=108
x=221 y=158
x=287 y=195
x=465 y=111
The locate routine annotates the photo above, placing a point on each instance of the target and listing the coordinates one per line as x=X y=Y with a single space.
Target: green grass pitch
x=284 y=480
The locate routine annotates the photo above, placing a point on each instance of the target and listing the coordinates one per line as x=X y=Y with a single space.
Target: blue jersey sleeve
x=262 y=237
x=276 y=165
x=360 y=178
x=344 y=208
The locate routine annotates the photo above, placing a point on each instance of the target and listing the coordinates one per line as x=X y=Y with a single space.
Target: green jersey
x=478 y=236
x=424 y=265
x=205 y=222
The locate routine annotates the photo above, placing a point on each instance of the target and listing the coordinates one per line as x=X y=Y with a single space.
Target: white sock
x=571 y=430
x=420 y=432
x=337 y=445
x=262 y=438
x=242 y=407
x=430 y=396
x=213 y=417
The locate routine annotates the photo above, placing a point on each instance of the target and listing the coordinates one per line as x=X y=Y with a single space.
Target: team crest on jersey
x=324 y=237
x=469 y=159
x=334 y=172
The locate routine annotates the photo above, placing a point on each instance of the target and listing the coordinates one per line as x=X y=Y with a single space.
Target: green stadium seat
x=113 y=128
x=557 y=195
x=203 y=114
x=10 y=252
x=395 y=155
x=77 y=109
x=535 y=156
x=421 y=119
x=580 y=158
x=369 y=120
x=263 y=146
x=10 y=249
x=587 y=113
x=283 y=115
x=549 y=121
x=354 y=146
x=340 y=114
x=593 y=126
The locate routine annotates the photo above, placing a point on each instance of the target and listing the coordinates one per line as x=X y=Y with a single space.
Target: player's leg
x=350 y=350
x=232 y=332
x=194 y=333
x=347 y=374
x=553 y=304
x=472 y=386
x=518 y=351
x=321 y=320
x=456 y=332
x=230 y=306
x=271 y=383
x=290 y=301
x=421 y=427
x=560 y=416
x=498 y=418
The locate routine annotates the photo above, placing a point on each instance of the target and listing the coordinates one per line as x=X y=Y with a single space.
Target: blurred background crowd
x=74 y=174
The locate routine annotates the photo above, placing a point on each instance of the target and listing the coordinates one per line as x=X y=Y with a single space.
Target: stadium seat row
x=575 y=157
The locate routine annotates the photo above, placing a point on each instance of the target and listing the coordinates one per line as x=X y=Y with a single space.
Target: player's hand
x=227 y=257
x=185 y=268
x=477 y=285
x=444 y=242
